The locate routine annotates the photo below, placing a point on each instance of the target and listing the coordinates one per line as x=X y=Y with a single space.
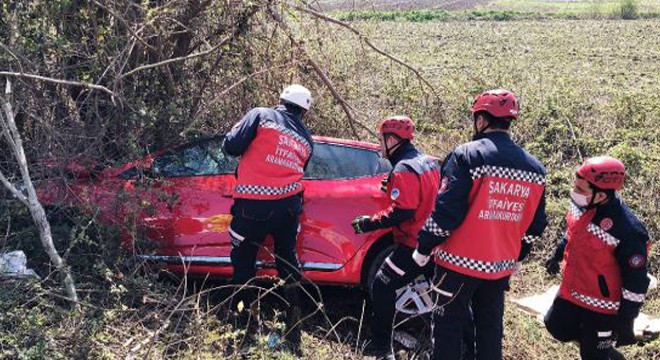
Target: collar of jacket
x=609 y=207
x=292 y=110
x=493 y=135
x=401 y=152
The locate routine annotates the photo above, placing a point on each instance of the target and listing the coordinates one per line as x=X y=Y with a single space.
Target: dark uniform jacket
x=605 y=252
x=275 y=148
x=489 y=209
x=411 y=187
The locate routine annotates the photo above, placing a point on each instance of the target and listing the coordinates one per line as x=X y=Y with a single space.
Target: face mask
x=579 y=199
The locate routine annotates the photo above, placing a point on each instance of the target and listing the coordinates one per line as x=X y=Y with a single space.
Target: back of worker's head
x=498 y=108
x=297 y=95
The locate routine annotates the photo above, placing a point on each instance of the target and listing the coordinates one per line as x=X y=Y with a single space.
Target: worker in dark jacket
x=605 y=251
x=488 y=211
x=411 y=187
x=275 y=147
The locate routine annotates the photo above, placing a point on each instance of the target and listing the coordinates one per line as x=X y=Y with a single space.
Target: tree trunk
x=13 y=138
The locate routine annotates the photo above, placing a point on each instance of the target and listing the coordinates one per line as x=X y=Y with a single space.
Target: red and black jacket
x=489 y=209
x=605 y=251
x=411 y=187
x=275 y=148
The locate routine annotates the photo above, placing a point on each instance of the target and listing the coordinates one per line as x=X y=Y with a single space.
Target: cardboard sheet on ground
x=13 y=265
x=646 y=327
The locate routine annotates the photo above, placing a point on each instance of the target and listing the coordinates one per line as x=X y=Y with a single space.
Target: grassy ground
x=491 y=10
x=578 y=6
x=517 y=5
x=587 y=88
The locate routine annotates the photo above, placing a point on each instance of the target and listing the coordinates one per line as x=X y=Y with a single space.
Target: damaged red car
x=179 y=200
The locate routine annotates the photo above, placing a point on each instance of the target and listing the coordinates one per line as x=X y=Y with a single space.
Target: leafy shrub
x=629 y=9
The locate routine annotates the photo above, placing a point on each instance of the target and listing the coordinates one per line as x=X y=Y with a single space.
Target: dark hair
x=501 y=123
x=397 y=137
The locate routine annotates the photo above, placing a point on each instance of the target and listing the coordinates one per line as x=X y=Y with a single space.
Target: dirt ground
x=334 y=5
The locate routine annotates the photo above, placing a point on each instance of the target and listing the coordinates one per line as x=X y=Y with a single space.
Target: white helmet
x=298 y=95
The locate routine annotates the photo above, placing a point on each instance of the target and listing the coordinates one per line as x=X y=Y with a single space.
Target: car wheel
x=411 y=300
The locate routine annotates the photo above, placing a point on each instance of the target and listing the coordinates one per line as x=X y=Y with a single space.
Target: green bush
x=629 y=9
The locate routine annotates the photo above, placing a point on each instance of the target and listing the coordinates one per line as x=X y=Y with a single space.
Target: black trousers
x=467 y=306
x=397 y=270
x=252 y=221
x=593 y=331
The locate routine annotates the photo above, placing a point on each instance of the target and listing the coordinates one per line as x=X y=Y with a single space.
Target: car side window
x=333 y=161
x=199 y=159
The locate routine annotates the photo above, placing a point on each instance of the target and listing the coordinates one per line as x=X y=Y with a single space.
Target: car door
x=341 y=182
x=195 y=182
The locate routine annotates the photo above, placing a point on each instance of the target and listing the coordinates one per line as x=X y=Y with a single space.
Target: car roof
x=346 y=142
x=316 y=138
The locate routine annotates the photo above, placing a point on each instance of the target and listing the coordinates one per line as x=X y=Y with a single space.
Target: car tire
x=413 y=299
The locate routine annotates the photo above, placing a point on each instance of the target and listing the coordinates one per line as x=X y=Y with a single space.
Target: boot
x=381 y=352
x=616 y=355
x=293 y=334
x=244 y=315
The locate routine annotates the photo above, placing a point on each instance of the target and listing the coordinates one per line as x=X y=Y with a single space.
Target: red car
x=180 y=199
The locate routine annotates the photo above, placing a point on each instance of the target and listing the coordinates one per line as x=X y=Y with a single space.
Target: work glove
x=420 y=259
x=624 y=331
x=552 y=266
x=383 y=184
x=361 y=224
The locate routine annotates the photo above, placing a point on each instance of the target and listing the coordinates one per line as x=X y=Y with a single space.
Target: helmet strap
x=592 y=204
x=476 y=130
x=389 y=150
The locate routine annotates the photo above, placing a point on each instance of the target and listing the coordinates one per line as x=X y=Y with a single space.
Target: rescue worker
x=488 y=211
x=275 y=148
x=605 y=250
x=411 y=187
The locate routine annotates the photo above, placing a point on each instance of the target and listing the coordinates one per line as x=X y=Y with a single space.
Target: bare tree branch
x=177 y=59
x=224 y=92
x=368 y=42
x=36 y=209
x=321 y=74
x=59 y=81
x=126 y=24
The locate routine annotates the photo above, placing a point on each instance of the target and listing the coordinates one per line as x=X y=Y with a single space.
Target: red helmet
x=604 y=172
x=402 y=126
x=498 y=103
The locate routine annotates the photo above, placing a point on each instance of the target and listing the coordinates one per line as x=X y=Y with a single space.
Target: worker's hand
x=420 y=259
x=624 y=331
x=383 y=184
x=518 y=268
x=552 y=266
x=360 y=224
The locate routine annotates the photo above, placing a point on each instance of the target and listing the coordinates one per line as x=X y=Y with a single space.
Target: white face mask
x=579 y=199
